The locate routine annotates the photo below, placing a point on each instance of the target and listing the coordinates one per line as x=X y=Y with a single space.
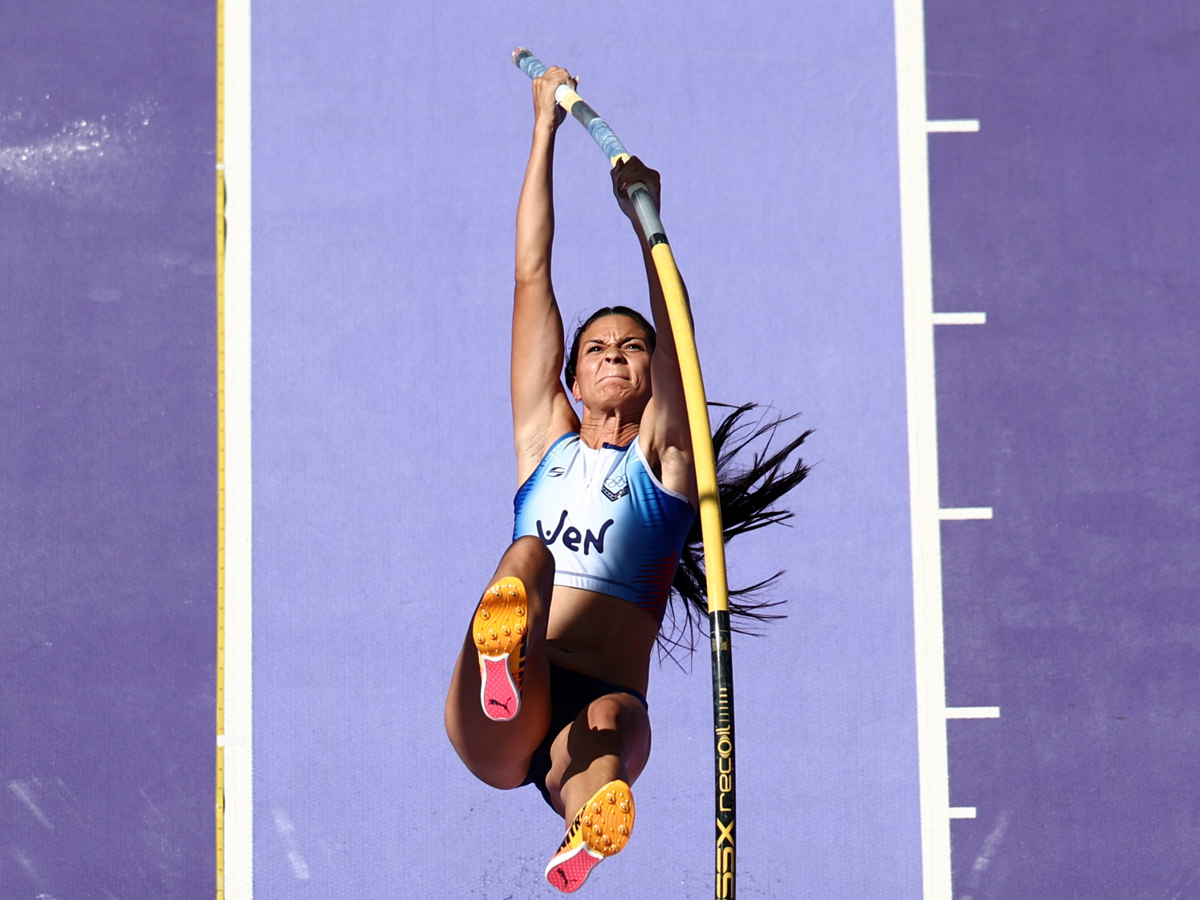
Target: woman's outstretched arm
x=541 y=409
x=664 y=428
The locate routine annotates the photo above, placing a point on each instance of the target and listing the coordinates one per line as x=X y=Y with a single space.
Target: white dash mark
x=21 y=789
x=972 y=712
x=960 y=318
x=965 y=512
x=944 y=126
x=962 y=812
x=283 y=824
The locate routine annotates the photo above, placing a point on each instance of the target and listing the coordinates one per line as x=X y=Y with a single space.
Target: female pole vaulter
x=550 y=686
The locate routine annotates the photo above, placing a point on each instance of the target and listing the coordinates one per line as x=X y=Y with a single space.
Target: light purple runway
x=389 y=146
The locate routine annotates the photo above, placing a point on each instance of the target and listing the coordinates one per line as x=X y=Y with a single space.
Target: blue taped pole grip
x=600 y=131
x=528 y=63
x=604 y=136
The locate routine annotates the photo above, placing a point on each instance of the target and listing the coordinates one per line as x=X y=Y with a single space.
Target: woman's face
x=613 y=369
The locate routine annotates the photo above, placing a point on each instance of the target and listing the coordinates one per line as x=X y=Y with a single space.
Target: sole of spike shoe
x=601 y=828
x=499 y=631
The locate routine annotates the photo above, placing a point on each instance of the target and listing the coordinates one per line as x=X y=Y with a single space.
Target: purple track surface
x=108 y=450
x=1072 y=220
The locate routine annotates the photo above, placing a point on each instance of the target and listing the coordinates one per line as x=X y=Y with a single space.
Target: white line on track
x=959 y=318
x=961 y=513
x=238 y=811
x=972 y=712
x=962 y=812
x=944 y=126
x=921 y=392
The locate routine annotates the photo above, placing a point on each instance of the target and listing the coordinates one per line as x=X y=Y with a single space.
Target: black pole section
x=722 y=669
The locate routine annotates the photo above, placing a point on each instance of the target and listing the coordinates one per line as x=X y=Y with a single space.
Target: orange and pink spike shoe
x=500 y=630
x=601 y=829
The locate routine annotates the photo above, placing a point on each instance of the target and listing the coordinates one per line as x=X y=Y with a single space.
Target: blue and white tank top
x=611 y=525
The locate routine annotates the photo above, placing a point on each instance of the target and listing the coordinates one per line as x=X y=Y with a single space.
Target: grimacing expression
x=613 y=369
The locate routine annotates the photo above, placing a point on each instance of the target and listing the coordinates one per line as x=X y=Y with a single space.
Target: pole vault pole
x=706 y=470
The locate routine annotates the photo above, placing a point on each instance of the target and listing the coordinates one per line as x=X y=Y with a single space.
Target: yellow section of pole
x=697 y=407
x=703 y=459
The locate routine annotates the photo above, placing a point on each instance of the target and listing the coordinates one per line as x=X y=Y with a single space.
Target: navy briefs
x=570 y=694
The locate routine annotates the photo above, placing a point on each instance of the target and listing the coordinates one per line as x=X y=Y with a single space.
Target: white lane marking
x=972 y=712
x=238 y=810
x=959 y=513
x=962 y=812
x=944 y=126
x=959 y=318
x=921 y=391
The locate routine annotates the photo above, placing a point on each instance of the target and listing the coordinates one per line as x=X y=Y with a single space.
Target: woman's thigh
x=499 y=752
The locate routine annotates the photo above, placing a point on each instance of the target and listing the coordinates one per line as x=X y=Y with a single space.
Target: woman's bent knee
x=504 y=776
x=615 y=712
x=480 y=758
x=504 y=781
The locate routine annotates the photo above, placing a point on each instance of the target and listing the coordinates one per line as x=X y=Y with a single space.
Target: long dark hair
x=747 y=492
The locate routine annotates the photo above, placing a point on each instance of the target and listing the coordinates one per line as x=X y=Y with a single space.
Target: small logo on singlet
x=572 y=536
x=615 y=486
x=555 y=472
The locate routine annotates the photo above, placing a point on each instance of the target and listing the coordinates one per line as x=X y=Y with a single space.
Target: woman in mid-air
x=550 y=686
